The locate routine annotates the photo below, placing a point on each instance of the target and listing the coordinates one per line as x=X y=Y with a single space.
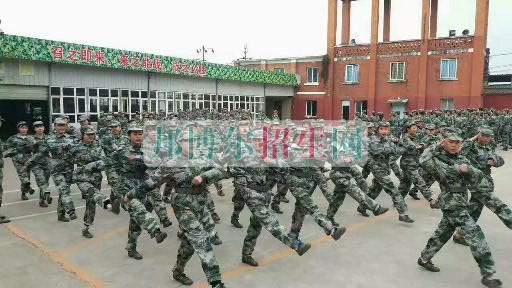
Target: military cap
x=114 y=123
x=370 y=125
x=88 y=130
x=486 y=131
x=21 y=124
x=134 y=126
x=430 y=126
x=243 y=122
x=83 y=118
x=38 y=123
x=383 y=124
x=454 y=134
x=410 y=123
x=60 y=120
x=442 y=125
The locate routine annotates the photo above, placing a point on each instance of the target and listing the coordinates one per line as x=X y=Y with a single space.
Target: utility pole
x=203 y=50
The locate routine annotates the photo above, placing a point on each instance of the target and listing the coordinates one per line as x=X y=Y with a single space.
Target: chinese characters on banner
x=88 y=56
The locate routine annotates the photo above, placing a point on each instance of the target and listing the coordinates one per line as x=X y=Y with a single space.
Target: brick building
x=426 y=73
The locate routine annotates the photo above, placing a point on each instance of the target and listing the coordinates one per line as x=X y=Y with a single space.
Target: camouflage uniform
x=41 y=170
x=110 y=144
x=20 y=151
x=380 y=151
x=3 y=219
x=453 y=202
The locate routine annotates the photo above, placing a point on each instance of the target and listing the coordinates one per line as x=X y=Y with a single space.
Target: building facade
x=53 y=78
x=398 y=76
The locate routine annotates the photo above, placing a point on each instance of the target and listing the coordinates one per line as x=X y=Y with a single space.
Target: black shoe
x=166 y=223
x=491 y=283
x=31 y=191
x=160 y=236
x=180 y=235
x=182 y=278
x=86 y=233
x=221 y=193
x=338 y=232
x=247 y=259
x=362 y=211
x=277 y=209
x=459 y=240
x=49 y=198
x=303 y=248
x=414 y=196
x=84 y=197
x=215 y=218
x=134 y=254
x=43 y=204
x=428 y=265
x=405 y=219
x=63 y=218
x=334 y=223
x=4 y=220
x=215 y=240
x=116 y=206
x=217 y=284
x=72 y=216
x=106 y=203
x=167 y=200
x=236 y=223
x=381 y=210
x=285 y=200
x=24 y=197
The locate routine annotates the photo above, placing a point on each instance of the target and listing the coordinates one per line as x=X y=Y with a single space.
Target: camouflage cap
x=383 y=124
x=134 y=126
x=486 y=131
x=60 y=120
x=243 y=122
x=430 y=127
x=38 y=123
x=83 y=118
x=21 y=124
x=410 y=123
x=442 y=125
x=88 y=130
x=454 y=134
x=114 y=123
x=370 y=125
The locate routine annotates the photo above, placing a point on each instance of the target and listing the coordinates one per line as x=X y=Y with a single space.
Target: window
x=397 y=71
x=312 y=75
x=361 y=107
x=310 y=108
x=279 y=70
x=449 y=69
x=352 y=73
x=446 y=104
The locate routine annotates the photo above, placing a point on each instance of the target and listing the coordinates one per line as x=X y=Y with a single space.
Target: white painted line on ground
x=40 y=214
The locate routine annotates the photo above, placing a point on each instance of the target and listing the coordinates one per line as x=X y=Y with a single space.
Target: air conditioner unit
x=452 y=33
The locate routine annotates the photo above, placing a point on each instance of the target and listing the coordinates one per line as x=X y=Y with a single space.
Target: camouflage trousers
x=505 y=139
x=197 y=226
x=282 y=189
x=396 y=169
x=261 y=218
x=493 y=202
x=168 y=188
x=427 y=178
x=23 y=175
x=238 y=201
x=411 y=176
x=155 y=202
x=381 y=180
x=471 y=233
x=93 y=197
x=63 y=182
x=140 y=218
x=366 y=171
x=344 y=186
x=113 y=180
x=42 y=175
x=302 y=189
x=1 y=181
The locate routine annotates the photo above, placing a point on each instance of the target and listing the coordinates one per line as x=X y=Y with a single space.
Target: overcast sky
x=271 y=28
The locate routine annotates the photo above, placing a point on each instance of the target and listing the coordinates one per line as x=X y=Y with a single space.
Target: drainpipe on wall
x=50 y=108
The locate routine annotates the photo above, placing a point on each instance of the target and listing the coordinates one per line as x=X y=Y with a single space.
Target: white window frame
x=391 y=71
x=309 y=110
x=358 y=106
x=441 y=69
x=352 y=81
x=307 y=75
x=279 y=70
x=446 y=101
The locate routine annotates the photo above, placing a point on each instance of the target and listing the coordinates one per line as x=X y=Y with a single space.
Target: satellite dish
x=465 y=32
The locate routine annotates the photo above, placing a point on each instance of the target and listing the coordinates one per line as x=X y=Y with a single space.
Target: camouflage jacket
x=454 y=184
x=111 y=144
x=410 y=152
x=129 y=160
x=19 y=148
x=58 y=146
x=1 y=155
x=478 y=155
x=35 y=143
x=89 y=159
x=380 y=151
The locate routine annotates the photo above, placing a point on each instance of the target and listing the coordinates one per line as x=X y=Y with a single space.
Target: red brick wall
x=498 y=101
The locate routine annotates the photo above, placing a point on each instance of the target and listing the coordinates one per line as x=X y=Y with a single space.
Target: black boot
x=236 y=223
x=381 y=210
x=4 y=220
x=166 y=222
x=116 y=206
x=86 y=233
x=43 y=204
x=48 y=198
x=62 y=218
x=24 y=196
x=428 y=265
x=247 y=259
x=215 y=217
x=405 y=219
x=167 y=200
x=362 y=211
x=337 y=232
x=334 y=223
x=285 y=200
x=134 y=254
x=181 y=278
x=302 y=248
x=180 y=235
x=106 y=204
x=159 y=236
x=217 y=284
x=72 y=216
x=491 y=282
x=414 y=196
x=215 y=240
x=277 y=209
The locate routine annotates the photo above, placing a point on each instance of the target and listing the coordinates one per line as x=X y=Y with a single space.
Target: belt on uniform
x=256 y=187
x=456 y=188
x=300 y=174
x=190 y=190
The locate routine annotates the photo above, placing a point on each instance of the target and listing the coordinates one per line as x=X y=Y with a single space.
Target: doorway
x=345 y=110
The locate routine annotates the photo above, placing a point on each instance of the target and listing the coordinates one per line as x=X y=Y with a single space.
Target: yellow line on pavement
x=56 y=258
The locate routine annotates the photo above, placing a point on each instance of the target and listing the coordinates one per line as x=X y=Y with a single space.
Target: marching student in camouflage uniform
x=20 y=150
x=89 y=159
x=483 y=157
x=252 y=173
x=409 y=162
x=455 y=173
x=3 y=218
x=41 y=169
x=381 y=149
x=130 y=160
x=61 y=163
x=110 y=144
